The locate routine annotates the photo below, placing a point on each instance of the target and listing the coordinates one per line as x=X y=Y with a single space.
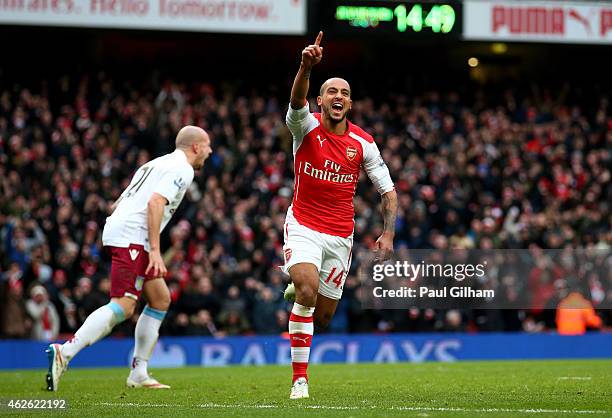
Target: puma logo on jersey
x=134 y=254
x=304 y=340
x=321 y=140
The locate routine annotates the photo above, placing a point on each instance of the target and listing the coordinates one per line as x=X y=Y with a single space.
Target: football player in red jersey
x=329 y=152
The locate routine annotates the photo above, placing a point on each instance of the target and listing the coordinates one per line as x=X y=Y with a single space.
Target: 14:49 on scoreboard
x=397 y=17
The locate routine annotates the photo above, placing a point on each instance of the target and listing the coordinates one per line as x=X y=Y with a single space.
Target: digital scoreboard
x=402 y=18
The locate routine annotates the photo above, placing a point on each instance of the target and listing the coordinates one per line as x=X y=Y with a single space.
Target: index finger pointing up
x=319 y=37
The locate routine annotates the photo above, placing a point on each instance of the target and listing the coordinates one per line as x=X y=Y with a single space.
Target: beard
x=198 y=165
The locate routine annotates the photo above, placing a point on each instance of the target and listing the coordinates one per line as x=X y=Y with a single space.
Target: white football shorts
x=330 y=254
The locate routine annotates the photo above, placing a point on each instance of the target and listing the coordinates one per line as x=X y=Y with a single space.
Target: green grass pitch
x=464 y=389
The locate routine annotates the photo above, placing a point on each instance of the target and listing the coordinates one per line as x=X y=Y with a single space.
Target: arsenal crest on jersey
x=351 y=152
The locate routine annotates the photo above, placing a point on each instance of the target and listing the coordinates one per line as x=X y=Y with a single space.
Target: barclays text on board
x=391 y=348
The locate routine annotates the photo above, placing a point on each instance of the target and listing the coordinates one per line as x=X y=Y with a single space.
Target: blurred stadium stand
x=80 y=109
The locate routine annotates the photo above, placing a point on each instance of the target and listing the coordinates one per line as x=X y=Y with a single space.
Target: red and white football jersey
x=327 y=169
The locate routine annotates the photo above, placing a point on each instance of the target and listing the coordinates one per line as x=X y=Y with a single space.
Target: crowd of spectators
x=520 y=170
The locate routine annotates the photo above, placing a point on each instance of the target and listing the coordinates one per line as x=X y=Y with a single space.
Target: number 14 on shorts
x=335 y=279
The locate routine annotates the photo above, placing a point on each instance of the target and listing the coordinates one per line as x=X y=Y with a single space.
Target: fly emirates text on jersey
x=330 y=172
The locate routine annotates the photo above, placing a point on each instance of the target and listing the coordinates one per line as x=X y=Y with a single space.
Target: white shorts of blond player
x=330 y=254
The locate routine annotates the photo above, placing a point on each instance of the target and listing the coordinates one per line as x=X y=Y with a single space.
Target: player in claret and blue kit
x=329 y=152
x=131 y=236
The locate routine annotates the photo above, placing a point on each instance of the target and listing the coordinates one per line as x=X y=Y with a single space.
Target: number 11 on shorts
x=336 y=280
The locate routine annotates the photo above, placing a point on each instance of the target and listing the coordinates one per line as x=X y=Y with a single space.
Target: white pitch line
x=138 y=405
x=353 y=408
x=525 y=411
x=218 y=405
x=339 y=408
x=574 y=378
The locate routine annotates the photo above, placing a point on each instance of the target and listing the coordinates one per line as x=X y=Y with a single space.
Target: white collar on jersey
x=181 y=154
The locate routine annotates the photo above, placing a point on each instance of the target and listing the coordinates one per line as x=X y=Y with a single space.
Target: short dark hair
x=322 y=89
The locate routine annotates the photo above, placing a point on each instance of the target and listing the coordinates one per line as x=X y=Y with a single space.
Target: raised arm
x=311 y=56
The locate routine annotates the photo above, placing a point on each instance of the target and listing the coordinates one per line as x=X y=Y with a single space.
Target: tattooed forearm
x=389 y=211
x=300 y=87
